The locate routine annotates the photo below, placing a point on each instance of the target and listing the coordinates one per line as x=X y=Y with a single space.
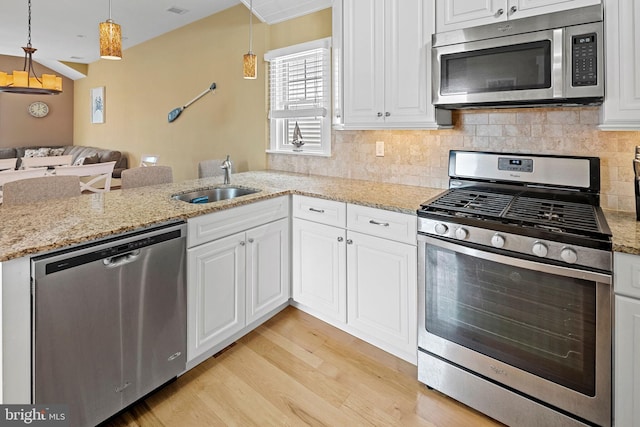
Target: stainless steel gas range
x=515 y=289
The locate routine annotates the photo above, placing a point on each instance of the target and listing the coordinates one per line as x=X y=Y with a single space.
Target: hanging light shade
x=110 y=39
x=26 y=81
x=249 y=63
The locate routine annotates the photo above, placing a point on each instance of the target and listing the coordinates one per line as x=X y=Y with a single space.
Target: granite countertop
x=625 y=230
x=41 y=227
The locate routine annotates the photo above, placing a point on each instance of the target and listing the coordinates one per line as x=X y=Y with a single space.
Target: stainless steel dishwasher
x=109 y=322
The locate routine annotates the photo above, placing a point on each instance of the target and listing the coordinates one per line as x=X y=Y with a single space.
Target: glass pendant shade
x=249 y=63
x=249 y=66
x=110 y=40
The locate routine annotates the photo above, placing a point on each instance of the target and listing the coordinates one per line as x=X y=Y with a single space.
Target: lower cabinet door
x=267 y=268
x=382 y=292
x=627 y=361
x=216 y=293
x=319 y=269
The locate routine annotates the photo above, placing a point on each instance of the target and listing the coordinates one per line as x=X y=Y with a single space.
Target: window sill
x=299 y=153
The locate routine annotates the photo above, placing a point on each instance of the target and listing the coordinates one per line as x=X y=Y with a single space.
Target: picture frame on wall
x=97 y=105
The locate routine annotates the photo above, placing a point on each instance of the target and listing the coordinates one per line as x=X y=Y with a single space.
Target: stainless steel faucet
x=226 y=165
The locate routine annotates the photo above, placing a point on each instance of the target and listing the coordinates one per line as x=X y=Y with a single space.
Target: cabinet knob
x=379 y=114
x=242 y=243
x=349 y=242
x=387 y=114
x=513 y=9
x=250 y=240
x=340 y=239
x=499 y=12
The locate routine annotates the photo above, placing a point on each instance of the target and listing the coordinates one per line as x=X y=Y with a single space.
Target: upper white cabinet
x=621 y=108
x=457 y=14
x=383 y=74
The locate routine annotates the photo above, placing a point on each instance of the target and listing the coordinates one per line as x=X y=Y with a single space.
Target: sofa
x=80 y=155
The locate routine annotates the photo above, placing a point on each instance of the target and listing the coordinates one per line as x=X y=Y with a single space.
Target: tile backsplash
x=421 y=157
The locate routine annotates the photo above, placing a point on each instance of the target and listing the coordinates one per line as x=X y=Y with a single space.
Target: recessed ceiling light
x=76 y=57
x=177 y=10
x=81 y=36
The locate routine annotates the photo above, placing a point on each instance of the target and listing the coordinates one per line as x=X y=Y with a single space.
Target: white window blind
x=299 y=92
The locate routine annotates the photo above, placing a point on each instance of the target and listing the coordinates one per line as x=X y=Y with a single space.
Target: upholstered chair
x=32 y=190
x=146 y=175
x=208 y=168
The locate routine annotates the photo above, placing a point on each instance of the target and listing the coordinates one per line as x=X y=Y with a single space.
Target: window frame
x=278 y=140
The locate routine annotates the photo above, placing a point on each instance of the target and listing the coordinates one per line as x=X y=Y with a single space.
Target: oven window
x=538 y=322
x=517 y=67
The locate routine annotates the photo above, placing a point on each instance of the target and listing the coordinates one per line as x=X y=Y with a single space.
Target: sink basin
x=209 y=195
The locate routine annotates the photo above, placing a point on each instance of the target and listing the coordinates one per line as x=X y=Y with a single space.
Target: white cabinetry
x=621 y=108
x=235 y=279
x=362 y=279
x=457 y=14
x=385 y=65
x=15 y=331
x=319 y=281
x=382 y=279
x=626 y=351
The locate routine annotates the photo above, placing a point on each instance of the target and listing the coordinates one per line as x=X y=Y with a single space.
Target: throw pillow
x=56 y=151
x=39 y=152
x=79 y=161
x=90 y=160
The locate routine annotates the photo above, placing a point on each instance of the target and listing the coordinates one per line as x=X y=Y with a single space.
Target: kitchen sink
x=215 y=194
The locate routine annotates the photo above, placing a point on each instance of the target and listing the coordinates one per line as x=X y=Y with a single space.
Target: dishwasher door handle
x=117 y=261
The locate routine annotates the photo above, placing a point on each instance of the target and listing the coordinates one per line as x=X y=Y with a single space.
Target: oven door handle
x=518 y=262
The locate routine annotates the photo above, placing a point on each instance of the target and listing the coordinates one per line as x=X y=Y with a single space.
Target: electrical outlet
x=379 y=148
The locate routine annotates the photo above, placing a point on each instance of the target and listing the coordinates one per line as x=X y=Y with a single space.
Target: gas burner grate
x=554 y=214
x=476 y=203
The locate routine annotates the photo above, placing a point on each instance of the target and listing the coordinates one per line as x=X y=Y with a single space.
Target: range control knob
x=497 y=241
x=540 y=249
x=569 y=255
x=441 y=228
x=461 y=233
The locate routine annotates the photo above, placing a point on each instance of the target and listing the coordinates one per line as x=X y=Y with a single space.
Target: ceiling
x=67 y=30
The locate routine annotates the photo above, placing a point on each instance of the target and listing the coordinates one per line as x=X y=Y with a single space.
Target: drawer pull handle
x=316 y=210
x=374 y=222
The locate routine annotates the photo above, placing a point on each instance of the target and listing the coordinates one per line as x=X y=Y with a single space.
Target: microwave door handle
x=558 y=63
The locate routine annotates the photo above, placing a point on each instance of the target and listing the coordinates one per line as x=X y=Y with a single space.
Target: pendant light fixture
x=26 y=81
x=249 y=64
x=110 y=39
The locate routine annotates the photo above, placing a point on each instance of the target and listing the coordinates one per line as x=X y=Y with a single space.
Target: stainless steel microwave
x=554 y=59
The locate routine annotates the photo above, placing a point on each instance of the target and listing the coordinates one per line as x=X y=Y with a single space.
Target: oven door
x=540 y=329
x=510 y=69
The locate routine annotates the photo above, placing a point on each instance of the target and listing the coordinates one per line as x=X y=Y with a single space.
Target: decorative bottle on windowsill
x=636 y=169
x=297 y=138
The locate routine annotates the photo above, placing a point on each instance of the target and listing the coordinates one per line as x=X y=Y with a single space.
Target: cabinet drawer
x=213 y=226
x=381 y=223
x=324 y=211
x=626 y=274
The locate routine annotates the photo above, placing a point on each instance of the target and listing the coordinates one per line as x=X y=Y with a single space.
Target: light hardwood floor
x=297 y=370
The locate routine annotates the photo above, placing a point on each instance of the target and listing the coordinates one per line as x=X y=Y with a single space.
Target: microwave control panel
x=584 y=52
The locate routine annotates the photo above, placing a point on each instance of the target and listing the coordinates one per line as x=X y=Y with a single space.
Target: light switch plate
x=379 y=148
